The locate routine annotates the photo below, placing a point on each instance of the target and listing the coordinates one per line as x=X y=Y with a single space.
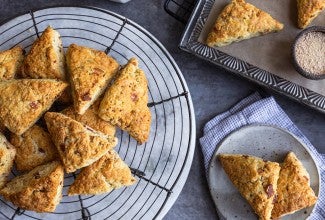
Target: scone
x=7 y=156
x=39 y=190
x=239 y=21
x=10 y=62
x=294 y=191
x=34 y=148
x=78 y=145
x=90 y=72
x=24 y=101
x=255 y=179
x=125 y=102
x=91 y=119
x=308 y=10
x=108 y=173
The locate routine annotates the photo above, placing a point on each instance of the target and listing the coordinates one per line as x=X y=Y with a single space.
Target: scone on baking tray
x=90 y=72
x=239 y=21
x=78 y=145
x=308 y=10
x=108 y=173
x=39 y=190
x=91 y=119
x=125 y=102
x=24 y=101
x=34 y=148
x=255 y=179
x=7 y=156
x=10 y=62
x=294 y=191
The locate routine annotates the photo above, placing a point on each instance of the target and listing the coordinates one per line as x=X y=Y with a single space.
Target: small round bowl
x=296 y=65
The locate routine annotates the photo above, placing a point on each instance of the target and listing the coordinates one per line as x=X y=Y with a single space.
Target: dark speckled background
x=213 y=90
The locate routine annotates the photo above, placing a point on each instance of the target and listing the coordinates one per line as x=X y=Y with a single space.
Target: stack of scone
x=81 y=136
x=273 y=190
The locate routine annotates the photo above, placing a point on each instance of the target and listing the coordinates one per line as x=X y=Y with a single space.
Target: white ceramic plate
x=270 y=143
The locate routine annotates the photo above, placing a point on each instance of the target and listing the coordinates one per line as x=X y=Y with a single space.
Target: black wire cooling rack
x=163 y=163
x=180 y=9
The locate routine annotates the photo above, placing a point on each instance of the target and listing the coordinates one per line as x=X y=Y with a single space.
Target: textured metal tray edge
x=264 y=78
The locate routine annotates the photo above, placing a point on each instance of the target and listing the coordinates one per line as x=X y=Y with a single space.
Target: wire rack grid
x=180 y=9
x=162 y=164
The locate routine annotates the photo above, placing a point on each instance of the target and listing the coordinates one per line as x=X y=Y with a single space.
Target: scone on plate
x=255 y=179
x=239 y=21
x=294 y=191
x=34 y=148
x=10 y=62
x=39 y=190
x=125 y=102
x=24 y=101
x=90 y=72
x=78 y=145
x=108 y=173
x=308 y=10
x=7 y=156
x=91 y=119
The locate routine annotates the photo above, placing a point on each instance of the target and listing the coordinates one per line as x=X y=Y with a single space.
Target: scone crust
x=108 y=173
x=34 y=148
x=45 y=59
x=7 y=156
x=91 y=119
x=10 y=62
x=308 y=10
x=24 y=101
x=90 y=72
x=78 y=145
x=294 y=191
x=39 y=190
x=125 y=102
x=255 y=179
x=238 y=21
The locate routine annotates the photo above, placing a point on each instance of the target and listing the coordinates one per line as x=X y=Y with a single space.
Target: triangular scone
x=255 y=179
x=10 y=61
x=24 y=101
x=308 y=10
x=78 y=145
x=7 y=156
x=238 y=21
x=39 y=190
x=108 y=173
x=91 y=119
x=90 y=73
x=45 y=59
x=34 y=148
x=125 y=102
x=294 y=191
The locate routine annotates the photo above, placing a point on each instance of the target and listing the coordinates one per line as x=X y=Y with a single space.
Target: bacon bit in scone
x=269 y=191
x=306 y=178
x=86 y=97
x=33 y=105
x=260 y=170
x=98 y=71
x=275 y=199
x=134 y=97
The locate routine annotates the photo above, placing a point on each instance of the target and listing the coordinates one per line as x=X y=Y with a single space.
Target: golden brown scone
x=10 y=62
x=255 y=179
x=39 y=190
x=34 y=148
x=108 y=173
x=125 y=102
x=45 y=59
x=294 y=191
x=308 y=10
x=78 y=145
x=91 y=119
x=90 y=72
x=24 y=101
x=7 y=156
x=238 y=21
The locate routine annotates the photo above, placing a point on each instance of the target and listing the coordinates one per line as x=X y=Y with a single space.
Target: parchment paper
x=271 y=52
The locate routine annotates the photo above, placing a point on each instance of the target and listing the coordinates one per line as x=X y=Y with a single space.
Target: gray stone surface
x=213 y=90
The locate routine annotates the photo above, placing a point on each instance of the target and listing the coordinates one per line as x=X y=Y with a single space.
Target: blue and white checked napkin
x=251 y=110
